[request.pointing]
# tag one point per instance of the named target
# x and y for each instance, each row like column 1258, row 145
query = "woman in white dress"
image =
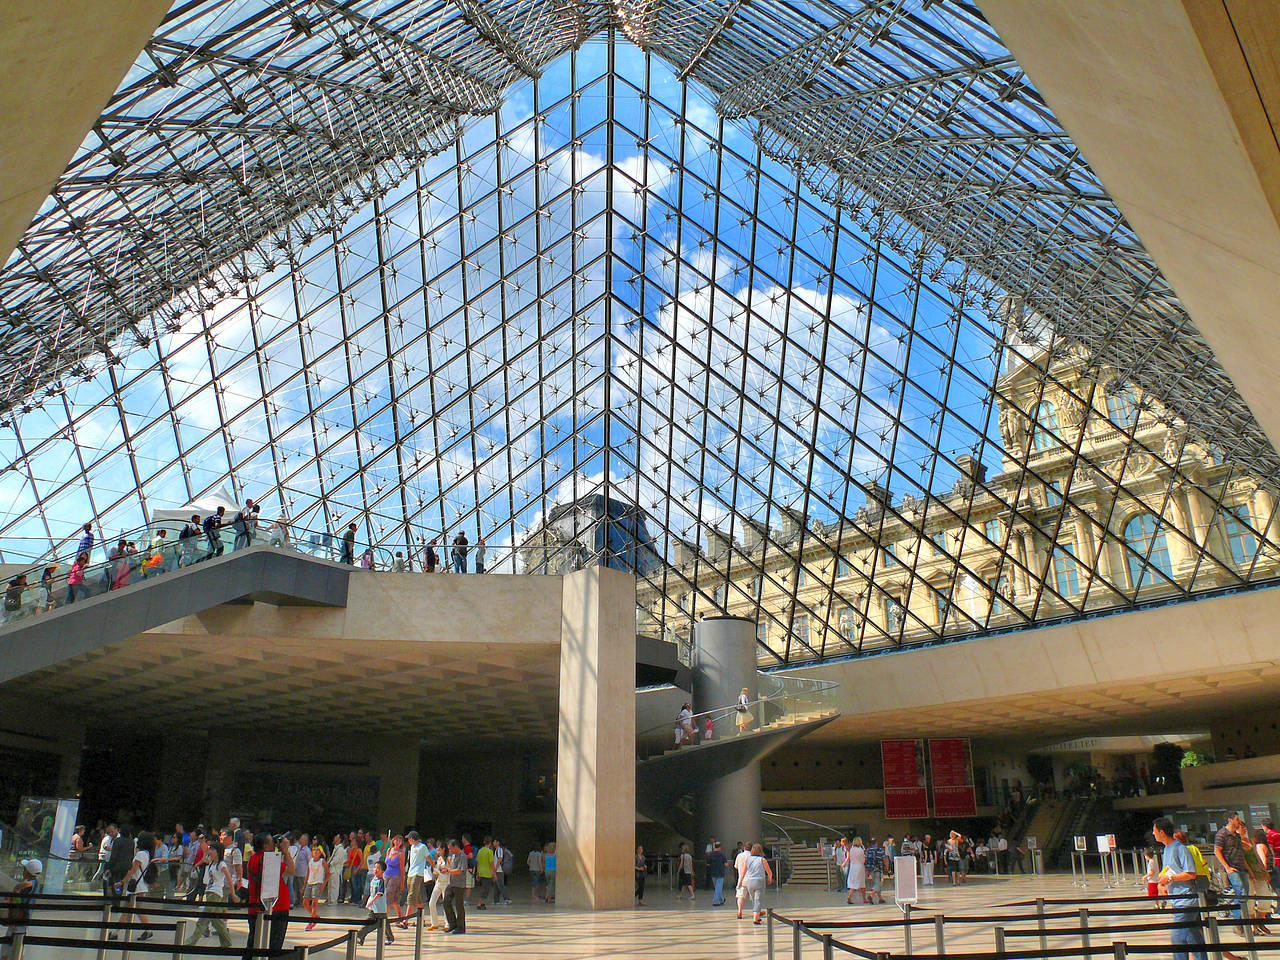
column 857, row 866
column 744, row 712
column 337, row 862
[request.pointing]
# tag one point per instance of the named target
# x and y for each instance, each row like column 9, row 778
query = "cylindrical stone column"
column 724, row 662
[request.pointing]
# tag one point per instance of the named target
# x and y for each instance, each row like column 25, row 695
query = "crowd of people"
column 392, row 877
column 127, row 560
column 864, row 867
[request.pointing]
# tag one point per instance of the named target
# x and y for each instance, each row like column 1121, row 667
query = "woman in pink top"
column 75, row 579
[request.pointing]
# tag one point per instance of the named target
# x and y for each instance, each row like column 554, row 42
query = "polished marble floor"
column 670, row 928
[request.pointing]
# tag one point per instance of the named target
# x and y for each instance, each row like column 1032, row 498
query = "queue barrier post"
column 382, row 939
column 940, row 933
column 106, row 918
column 1248, row 935
column 179, row 937
column 768, row 932
column 300, row 953
column 906, row 927
column 1215, row 937
column 999, row 941
column 827, row 952
column 1044, row 941
column 351, row 945
column 417, row 937
column 126, row 934
column 1120, row 949
column 16, row 945
column 795, row 940
column 1084, row 930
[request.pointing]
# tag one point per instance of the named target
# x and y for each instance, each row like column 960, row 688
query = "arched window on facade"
column 1045, row 425
column 1122, row 408
column 1143, row 533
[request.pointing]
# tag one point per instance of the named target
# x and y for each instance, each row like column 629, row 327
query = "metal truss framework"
column 306, row 256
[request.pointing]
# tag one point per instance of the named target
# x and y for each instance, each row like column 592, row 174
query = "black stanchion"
column 1120, row 949
column 417, row 937
column 826, row 946
column 1215, row 938
column 999, row 941
column 179, row 936
column 795, row 940
column 351, row 945
column 381, row 949
column 768, row 932
column 906, row 927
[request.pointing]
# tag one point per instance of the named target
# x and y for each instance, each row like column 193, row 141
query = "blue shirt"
column 1177, row 858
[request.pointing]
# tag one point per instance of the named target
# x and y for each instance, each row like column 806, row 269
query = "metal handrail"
column 698, row 720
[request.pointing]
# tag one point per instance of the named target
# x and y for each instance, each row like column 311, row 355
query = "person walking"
column 212, row 527
column 537, row 874
column 357, row 866
column 240, row 523
column 455, row 907
column 1180, row 877
column 685, row 873
column 484, row 871
column 715, row 867
column 394, row 867
column 549, row 871
column 142, row 873
column 376, row 904
column 857, row 865
column 349, row 545
column 317, row 878
column 743, row 712
column 642, row 874
column 219, row 889
column 1229, row 851
column 758, row 875
column 440, row 886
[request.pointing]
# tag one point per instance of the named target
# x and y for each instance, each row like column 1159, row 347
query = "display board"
column 904, row 880
column 905, row 794
column 951, row 767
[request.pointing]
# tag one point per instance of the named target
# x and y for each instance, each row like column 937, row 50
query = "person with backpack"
column 187, row 538
column 245, row 524
column 12, row 609
column 212, row 524
column 142, row 874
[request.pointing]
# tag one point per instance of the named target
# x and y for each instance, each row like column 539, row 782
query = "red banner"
column 951, row 765
column 905, row 794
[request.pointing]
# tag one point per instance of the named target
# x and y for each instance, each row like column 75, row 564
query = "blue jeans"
column 357, row 886
column 1240, row 887
column 460, row 563
column 1187, row 933
column 718, row 884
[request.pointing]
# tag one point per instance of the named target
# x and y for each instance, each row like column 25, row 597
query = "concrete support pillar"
column 724, row 662
column 596, row 759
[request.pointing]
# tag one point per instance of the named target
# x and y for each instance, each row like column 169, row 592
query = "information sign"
column 951, row 766
column 904, row 880
column 905, row 794
column 1081, row 844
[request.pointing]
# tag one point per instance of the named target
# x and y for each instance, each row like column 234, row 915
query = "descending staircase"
column 1042, row 823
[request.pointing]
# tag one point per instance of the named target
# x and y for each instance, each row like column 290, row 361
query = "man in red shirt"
column 1273, row 841
column 279, row 922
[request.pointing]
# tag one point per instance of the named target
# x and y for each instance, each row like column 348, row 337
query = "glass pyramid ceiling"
column 820, row 293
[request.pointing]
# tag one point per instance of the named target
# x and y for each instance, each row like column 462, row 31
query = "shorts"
column 394, row 885
column 416, row 886
column 313, row 891
column 686, row 880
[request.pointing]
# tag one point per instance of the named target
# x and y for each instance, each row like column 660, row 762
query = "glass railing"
column 158, row 550
column 783, row 699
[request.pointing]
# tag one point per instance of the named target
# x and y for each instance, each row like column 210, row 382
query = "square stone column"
column 596, row 761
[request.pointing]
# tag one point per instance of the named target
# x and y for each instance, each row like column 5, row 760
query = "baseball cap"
column 33, row 866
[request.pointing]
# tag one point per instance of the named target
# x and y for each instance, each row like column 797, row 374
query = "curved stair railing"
column 787, row 701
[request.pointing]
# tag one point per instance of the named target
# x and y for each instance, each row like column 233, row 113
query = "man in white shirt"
column 1002, row 853
column 233, row 856
column 104, row 850
column 739, row 874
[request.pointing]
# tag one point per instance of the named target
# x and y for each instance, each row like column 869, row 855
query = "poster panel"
column 951, row 766
column 906, row 795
